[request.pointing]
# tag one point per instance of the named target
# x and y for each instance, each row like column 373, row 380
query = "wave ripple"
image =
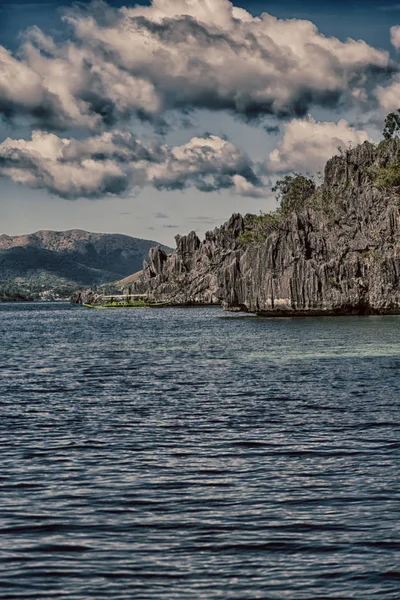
column 186, row 453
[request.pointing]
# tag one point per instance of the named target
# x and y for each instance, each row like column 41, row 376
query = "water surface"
column 189, row 453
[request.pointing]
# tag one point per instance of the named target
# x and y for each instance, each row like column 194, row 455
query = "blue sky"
column 181, row 188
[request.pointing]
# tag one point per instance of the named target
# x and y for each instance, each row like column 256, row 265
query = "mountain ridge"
column 73, row 256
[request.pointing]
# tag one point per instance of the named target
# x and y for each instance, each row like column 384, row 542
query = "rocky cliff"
column 337, row 253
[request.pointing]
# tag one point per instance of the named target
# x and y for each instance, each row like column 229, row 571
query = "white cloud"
column 389, row 95
column 395, row 36
column 114, row 163
column 180, row 54
column 308, row 144
column 243, row 187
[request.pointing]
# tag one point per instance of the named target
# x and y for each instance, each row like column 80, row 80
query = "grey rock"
column 344, row 260
column 86, row 297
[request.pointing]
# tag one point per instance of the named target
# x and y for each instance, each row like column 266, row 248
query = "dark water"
column 186, row 453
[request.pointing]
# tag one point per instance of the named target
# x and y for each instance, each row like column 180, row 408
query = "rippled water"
column 188, row 453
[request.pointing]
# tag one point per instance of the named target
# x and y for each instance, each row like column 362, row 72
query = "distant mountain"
column 51, row 258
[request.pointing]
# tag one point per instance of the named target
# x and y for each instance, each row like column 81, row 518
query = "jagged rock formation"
column 191, row 274
column 85, row 297
column 339, row 255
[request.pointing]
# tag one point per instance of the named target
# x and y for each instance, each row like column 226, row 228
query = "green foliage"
column 293, row 191
column 22, row 290
column 14, row 292
column 259, row 227
column 382, row 145
column 387, row 176
column 328, row 203
column 391, row 127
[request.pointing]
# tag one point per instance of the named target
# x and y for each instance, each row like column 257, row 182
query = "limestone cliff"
column 339, row 254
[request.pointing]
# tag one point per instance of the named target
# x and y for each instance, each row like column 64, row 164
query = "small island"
column 329, row 249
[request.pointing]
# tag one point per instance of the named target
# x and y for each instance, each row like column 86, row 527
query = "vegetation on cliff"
column 385, row 173
column 391, row 128
column 296, row 192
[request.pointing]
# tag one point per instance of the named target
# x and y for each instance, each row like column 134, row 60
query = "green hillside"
column 75, row 258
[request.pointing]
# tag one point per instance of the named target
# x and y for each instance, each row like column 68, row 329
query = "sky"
column 157, row 118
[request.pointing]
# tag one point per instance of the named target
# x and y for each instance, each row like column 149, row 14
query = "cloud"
column 395, row 36
column 245, row 187
column 308, row 144
column 115, row 163
column 180, row 55
column 389, row 96
column 272, row 129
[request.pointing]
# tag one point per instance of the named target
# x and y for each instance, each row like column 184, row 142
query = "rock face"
column 192, row 274
column 342, row 258
column 86, row 297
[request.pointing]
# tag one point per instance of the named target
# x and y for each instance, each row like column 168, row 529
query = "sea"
column 190, row 453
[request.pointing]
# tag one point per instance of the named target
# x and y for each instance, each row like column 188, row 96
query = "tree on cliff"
column 293, row 191
column 391, row 128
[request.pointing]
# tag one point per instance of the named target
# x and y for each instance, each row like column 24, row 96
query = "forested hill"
column 75, row 257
